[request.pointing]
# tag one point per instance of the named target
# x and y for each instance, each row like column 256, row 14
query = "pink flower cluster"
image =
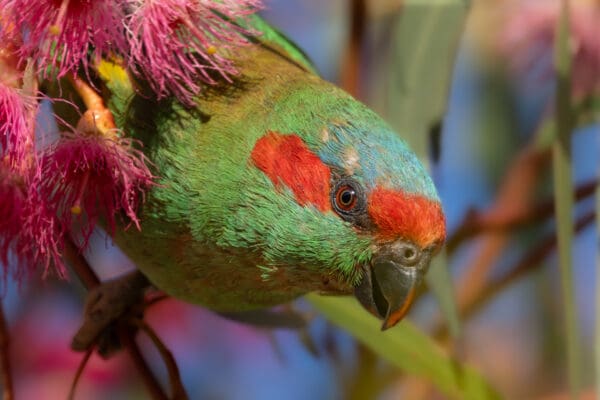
column 175, row 44
column 172, row 44
column 528, row 40
column 16, row 124
column 30, row 233
column 98, row 175
column 61, row 33
column 50, row 194
column 64, row 190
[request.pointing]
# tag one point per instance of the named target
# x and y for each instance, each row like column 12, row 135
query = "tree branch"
column 350, row 74
column 141, row 365
column 529, row 262
column 79, row 372
column 7, row 381
column 90, row 280
column 177, row 389
column 526, row 264
column 80, row 266
column 493, row 221
column 515, row 197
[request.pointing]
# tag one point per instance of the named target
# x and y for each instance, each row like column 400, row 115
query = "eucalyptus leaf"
column 413, row 73
column 407, row 348
column 562, row 165
column 411, row 92
column 439, row 282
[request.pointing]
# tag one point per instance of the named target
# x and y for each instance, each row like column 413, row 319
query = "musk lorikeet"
column 277, row 185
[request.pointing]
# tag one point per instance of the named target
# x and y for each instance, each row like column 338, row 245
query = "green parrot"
column 274, row 186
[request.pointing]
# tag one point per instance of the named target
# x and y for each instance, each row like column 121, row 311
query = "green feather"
column 216, row 231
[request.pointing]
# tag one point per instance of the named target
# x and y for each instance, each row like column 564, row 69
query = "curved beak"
column 390, row 282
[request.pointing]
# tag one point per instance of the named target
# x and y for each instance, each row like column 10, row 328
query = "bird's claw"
column 110, row 308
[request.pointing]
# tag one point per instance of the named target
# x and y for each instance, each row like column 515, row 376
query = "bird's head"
column 359, row 176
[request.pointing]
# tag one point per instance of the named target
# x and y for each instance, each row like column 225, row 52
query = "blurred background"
column 488, row 158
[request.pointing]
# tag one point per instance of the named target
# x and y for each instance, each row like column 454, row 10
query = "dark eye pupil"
column 347, row 196
column 347, row 199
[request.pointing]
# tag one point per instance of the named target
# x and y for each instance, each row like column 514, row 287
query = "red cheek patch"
column 286, row 160
column 409, row 216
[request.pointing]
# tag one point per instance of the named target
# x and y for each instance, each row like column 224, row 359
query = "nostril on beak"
column 408, row 254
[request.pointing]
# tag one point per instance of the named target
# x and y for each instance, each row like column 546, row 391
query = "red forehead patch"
column 409, row 216
column 286, row 160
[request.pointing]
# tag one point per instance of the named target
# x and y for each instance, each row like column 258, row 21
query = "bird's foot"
column 110, row 308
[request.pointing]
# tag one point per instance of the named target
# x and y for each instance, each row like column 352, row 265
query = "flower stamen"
column 55, row 29
column 76, row 208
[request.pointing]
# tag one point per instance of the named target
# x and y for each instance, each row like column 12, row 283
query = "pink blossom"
column 178, row 44
column 17, row 113
column 528, row 39
column 12, row 205
column 28, row 227
column 61, row 33
column 42, row 237
column 90, row 176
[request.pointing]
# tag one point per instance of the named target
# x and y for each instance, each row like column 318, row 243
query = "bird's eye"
column 346, row 197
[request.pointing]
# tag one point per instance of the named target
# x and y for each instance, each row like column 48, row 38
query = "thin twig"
column 132, row 348
column 476, row 223
column 79, row 373
column 159, row 297
column 526, row 264
column 350, row 75
column 515, row 196
column 177, row 389
column 585, row 395
column 90, row 280
column 370, row 378
column 7, row 381
column 79, row 264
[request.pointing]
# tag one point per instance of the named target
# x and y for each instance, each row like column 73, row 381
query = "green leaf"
column 563, row 194
column 439, row 282
column 411, row 92
column 414, row 72
column 407, row 348
column 597, row 328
